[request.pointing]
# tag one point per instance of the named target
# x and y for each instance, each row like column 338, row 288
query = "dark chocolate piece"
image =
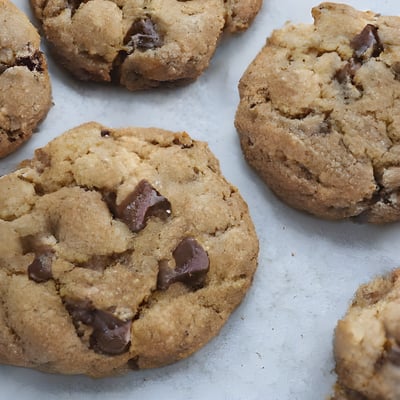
column 33, row 62
column 348, row 71
column 110, row 335
column 144, row 202
column 40, row 269
column 367, row 39
column 192, row 265
column 143, row 35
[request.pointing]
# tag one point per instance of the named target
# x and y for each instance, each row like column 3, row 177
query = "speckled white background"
column 278, row 343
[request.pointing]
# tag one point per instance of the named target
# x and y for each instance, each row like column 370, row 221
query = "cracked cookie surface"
column 319, row 110
column 121, row 249
column 140, row 43
column 367, row 343
column 25, row 92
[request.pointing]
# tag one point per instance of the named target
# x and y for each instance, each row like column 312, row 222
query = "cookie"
column 25, row 90
column 140, row 44
column 367, row 343
column 121, row 249
column 319, row 111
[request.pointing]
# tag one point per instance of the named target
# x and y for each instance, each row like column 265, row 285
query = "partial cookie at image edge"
column 164, row 43
column 309, row 121
column 25, row 88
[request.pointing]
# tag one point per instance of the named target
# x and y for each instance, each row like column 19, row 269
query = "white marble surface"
column 278, row 343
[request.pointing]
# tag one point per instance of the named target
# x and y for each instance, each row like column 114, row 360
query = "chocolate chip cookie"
column 25, row 92
column 367, row 343
column 121, row 249
column 319, row 114
column 140, row 44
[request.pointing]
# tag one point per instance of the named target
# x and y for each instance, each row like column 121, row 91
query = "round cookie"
column 25, row 91
column 129, row 247
column 140, row 44
column 319, row 114
column 367, row 343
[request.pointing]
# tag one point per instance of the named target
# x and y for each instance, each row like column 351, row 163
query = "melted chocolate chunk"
column 144, row 202
column 80, row 311
column 143, row 35
column 34, row 62
column 192, row 264
column 367, row 43
column 348, row 71
column 40, row 269
column 44, row 160
column 110, row 335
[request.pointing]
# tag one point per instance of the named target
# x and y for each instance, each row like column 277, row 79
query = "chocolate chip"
column 192, row 264
column 33, row 62
column 44, row 160
column 368, row 39
column 110, row 334
column 143, row 35
column 40, row 269
column 143, row 203
column 348, row 71
column 80, row 311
